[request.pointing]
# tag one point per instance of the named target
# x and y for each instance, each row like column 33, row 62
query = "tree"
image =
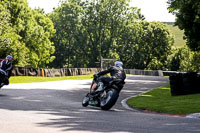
column 89, row 28
column 160, row 41
column 105, row 21
column 9, row 39
column 25, row 33
column 145, row 45
column 183, row 59
column 66, row 20
column 37, row 36
column 174, row 60
column 188, row 19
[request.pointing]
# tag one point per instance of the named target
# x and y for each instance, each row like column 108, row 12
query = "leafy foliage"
column 145, row 44
column 24, row 34
column 188, row 19
column 69, row 34
column 87, row 31
column 185, row 60
column 9, row 39
column 88, row 28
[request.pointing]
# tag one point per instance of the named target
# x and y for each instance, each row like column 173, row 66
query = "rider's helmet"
column 9, row 59
column 118, row 64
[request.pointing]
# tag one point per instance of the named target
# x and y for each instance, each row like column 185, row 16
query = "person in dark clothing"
column 6, row 70
column 116, row 72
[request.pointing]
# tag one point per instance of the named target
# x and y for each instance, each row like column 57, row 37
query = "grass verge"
column 178, row 36
column 160, row 100
column 30, row 79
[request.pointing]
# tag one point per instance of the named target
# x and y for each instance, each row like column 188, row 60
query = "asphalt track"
column 55, row 107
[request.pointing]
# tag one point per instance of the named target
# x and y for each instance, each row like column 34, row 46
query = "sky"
column 153, row 10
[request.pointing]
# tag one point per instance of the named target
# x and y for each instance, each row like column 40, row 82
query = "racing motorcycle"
column 2, row 78
column 104, row 99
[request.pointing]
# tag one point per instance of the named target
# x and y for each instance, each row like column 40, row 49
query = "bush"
column 185, row 60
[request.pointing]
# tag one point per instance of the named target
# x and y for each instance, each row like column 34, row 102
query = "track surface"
column 55, row 107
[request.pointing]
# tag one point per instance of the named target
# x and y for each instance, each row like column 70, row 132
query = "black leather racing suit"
column 115, row 73
column 6, row 69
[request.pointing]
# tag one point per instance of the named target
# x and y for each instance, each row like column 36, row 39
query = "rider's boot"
column 100, row 87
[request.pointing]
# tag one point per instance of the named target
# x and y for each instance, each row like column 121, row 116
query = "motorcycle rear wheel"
column 109, row 100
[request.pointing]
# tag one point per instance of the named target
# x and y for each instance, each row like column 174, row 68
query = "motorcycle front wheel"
column 85, row 101
column 109, row 99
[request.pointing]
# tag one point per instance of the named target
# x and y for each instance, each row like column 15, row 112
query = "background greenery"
column 108, row 29
column 31, row 79
column 178, row 36
column 79, row 33
column 187, row 19
column 25, row 34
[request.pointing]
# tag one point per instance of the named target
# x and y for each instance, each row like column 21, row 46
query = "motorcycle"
column 2, row 78
column 104, row 99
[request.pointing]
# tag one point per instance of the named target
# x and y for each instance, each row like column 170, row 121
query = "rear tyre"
column 109, row 99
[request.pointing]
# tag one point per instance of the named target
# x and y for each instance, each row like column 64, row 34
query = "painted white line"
column 123, row 102
column 194, row 115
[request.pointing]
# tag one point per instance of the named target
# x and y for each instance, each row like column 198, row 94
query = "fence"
column 28, row 71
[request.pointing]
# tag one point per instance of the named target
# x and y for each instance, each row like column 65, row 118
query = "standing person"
column 6, row 70
column 116, row 72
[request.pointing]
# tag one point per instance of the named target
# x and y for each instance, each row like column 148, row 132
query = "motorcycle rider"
column 116, row 72
column 6, row 68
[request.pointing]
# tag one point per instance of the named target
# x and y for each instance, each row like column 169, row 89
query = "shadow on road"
column 67, row 111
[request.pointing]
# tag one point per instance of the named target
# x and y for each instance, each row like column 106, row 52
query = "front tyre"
column 85, row 101
column 109, row 99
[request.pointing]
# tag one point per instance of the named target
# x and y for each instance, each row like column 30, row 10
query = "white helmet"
column 118, row 63
column 9, row 58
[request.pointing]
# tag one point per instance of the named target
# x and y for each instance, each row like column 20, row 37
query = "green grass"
column 30, row 79
column 178, row 34
column 160, row 100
